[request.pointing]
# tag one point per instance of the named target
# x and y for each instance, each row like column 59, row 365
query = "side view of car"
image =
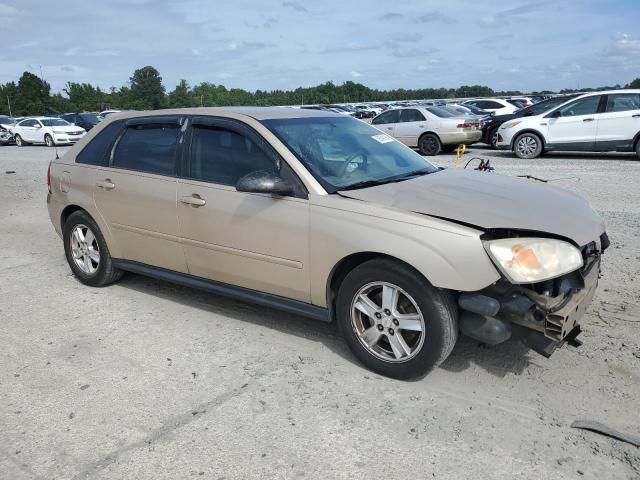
column 430, row 129
column 596, row 122
column 47, row 130
column 492, row 123
column 322, row 215
column 85, row 120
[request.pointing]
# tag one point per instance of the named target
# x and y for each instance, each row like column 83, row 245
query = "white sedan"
column 50, row 131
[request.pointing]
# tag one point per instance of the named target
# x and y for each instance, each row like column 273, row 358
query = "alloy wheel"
column 388, row 322
column 85, row 249
column 527, row 146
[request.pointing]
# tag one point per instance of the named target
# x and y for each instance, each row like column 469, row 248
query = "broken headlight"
column 531, row 260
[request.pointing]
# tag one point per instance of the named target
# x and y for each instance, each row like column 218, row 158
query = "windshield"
column 91, row 118
column 54, row 122
column 344, row 153
column 440, row 112
column 7, row 121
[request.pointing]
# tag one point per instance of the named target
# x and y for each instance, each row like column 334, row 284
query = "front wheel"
column 48, row 139
column 395, row 323
column 19, row 141
column 429, row 144
column 638, row 148
column 493, row 137
column 528, row 145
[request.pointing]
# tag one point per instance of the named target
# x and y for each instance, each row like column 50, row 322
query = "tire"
column 48, row 140
column 527, row 146
column 638, row 149
column 393, row 351
column 493, row 137
column 19, row 141
column 89, row 268
column 429, row 145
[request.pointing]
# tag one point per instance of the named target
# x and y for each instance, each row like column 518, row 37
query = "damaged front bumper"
column 544, row 315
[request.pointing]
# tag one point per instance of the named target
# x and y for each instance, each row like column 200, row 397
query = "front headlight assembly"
column 531, row 260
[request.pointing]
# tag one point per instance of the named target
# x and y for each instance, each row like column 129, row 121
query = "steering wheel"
column 350, row 158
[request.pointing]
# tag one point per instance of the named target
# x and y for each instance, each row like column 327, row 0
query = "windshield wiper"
column 396, row 178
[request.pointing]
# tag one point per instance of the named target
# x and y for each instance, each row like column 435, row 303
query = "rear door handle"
column 194, row 200
column 588, row 120
column 106, row 184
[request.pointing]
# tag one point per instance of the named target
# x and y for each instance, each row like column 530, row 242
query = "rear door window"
column 148, row 147
column 392, row 116
column 623, row 102
column 411, row 115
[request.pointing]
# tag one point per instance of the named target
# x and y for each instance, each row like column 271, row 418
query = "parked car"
column 106, row 113
column 595, row 122
column 47, row 130
column 6, row 137
column 430, row 129
column 497, row 106
column 84, row 120
column 324, row 216
column 524, row 101
column 492, row 123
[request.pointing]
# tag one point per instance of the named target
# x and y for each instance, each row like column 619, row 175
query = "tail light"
column 468, row 124
column 49, row 178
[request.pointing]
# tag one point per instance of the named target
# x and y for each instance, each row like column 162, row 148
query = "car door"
column 574, row 125
column 387, row 121
column 27, row 130
column 619, row 123
column 38, row 132
column 136, row 192
column 411, row 125
column 254, row 241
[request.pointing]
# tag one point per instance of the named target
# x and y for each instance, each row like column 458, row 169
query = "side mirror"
column 37, row 125
column 264, row 181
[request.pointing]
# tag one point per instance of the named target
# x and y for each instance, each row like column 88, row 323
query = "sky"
column 282, row 44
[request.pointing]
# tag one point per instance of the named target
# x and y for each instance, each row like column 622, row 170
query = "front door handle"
column 107, row 184
column 588, row 120
column 194, row 200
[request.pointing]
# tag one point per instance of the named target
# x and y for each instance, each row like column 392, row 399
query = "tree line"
column 145, row 91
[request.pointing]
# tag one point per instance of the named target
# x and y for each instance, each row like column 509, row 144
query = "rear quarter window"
column 148, row 148
column 97, row 151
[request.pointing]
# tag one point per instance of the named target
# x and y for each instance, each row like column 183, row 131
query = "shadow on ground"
column 508, row 358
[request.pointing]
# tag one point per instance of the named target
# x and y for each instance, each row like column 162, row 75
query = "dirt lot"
column 145, row 380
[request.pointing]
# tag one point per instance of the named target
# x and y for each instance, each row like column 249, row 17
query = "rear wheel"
column 87, row 252
column 394, row 321
column 429, row 144
column 48, row 139
column 493, row 137
column 528, row 145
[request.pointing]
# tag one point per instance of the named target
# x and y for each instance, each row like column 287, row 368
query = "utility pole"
column 9, row 104
column 302, row 99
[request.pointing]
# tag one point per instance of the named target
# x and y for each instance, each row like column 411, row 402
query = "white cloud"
column 355, row 74
column 7, row 9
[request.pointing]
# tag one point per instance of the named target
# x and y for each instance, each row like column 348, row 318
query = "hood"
column 67, row 128
column 490, row 201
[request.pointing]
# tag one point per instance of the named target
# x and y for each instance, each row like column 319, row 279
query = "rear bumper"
column 457, row 138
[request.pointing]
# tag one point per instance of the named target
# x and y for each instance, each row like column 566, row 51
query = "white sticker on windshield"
column 382, row 138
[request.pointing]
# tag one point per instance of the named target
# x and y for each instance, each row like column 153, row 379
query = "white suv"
column 47, row 130
column 595, row 122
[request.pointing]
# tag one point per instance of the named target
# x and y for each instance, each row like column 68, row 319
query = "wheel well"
column 342, row 269
column 68, row 210
column 535, row 132
column 427, row 133
column 636, row 141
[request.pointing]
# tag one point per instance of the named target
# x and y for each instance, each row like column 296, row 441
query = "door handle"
column 636, row 115
column 106, row 184
column 194, row 200
column 588, row 120
column 389, row 128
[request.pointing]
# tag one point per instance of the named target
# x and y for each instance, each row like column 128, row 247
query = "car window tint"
column 585, row 106
column 411, row 115
column 96, row 152
column 392, row 116
column 623, row 102
column 148, row 148
column 222, row 156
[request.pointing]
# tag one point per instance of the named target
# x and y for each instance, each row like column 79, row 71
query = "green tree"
column 146, row 91
column 8, row 95
column 634, row 84
column 32, row 95
column 181, row 95
column 85, row 97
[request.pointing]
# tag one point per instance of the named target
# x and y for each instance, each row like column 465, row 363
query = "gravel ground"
column 146, row 380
